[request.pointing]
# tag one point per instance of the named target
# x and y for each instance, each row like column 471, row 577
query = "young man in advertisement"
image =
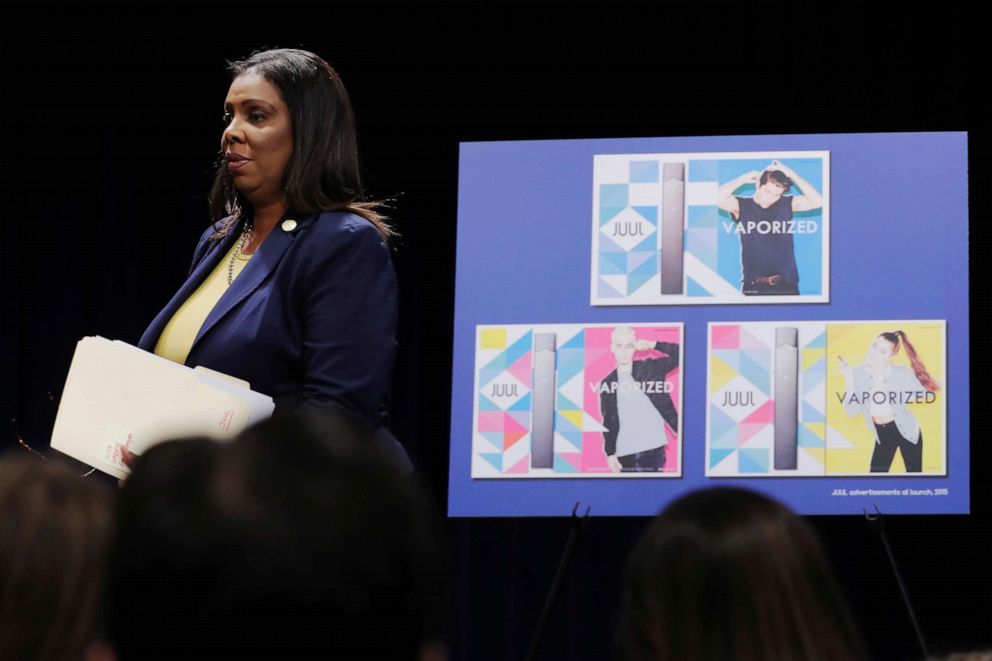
column 636, row 403
column 765, row 225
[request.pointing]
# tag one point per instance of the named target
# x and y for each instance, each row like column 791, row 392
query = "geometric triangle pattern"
column 614, row 286
column 486, row 405
column 818, row 342
column 707, row 244
column 740, row 429
column 494, row 439
column 606, row 213
column 504, row 404
column 568, row 441
column 725, row 337
column 812, row 408
column 728, row 441
column 722, row 371
column 571, row 361
column 747, row 431
column 627, row 236
column 644, row 272
column 730, row 357
column 721, row 425
column 693, row 288
column 753, row 461
column 571, row 420
column 649, row 245
column 494, row 459
column 740, row 422
column 520, row 467
column 809, row 437
column 511, row 438
column 755, row 367
column 810, row 414
column 749, row 341
column 643, row 172
column 628, row 229
column 565, row 404
column 718, row 455
column 523, row 404
column 562, row 465
column 764, row 415
column 812, row 461
column 702, row 243
column 647, row 212
column 564, row 424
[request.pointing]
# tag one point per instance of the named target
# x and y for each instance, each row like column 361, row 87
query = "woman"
column 878, row 389
column 55, row 534
column 292, row 288
column 730, row 574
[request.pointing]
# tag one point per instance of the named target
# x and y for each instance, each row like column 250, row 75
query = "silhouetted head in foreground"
column 295, row 540
column 55, row 530
column 730, row 574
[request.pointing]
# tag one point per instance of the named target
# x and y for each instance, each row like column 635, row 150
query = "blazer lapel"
column 195, row 279
column 262, row 263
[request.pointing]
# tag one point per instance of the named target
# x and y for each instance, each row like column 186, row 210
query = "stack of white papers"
column 119, row 395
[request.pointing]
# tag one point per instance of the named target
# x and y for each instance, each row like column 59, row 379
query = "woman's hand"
column 781, row 167
column 614, row 463
column 643, row 345
column 129, row 458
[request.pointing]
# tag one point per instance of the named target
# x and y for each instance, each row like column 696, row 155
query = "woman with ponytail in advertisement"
column 880, row 390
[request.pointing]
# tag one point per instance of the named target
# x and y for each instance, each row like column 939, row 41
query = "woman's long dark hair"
column 730, row 574
column 323, row 171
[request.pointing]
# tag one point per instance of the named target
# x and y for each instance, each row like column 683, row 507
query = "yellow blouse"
column 177, row 338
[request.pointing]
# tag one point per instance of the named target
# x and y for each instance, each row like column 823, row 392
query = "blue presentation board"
column 638, row 318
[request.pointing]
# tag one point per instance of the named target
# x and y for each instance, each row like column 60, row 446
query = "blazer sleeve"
column 611, row 420
column 349, row 333
column 672, row 351
column 658, row 368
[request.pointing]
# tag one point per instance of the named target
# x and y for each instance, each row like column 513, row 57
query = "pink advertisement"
column 569, row 400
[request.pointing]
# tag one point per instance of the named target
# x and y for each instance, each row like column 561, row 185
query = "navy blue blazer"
column 310, row 321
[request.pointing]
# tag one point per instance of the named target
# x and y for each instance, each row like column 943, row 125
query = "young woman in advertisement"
column 880, row 390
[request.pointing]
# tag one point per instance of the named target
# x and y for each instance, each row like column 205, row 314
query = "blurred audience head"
column 730, row 574
column 296, row 539
column 55, row 530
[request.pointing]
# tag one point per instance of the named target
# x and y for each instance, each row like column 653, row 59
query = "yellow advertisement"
column 886, row 398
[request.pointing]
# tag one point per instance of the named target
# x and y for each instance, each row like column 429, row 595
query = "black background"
column 112, row 121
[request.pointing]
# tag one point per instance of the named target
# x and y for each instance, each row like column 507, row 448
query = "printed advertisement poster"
column 743, row 227
column 568, row 401
column 864, row 398
column 816, row 285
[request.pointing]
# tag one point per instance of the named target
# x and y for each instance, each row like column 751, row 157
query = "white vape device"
column 542, row 428
column 786, row 396
column 672, row 222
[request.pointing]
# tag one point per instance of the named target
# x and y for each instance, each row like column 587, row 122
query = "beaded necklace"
column 242, row 242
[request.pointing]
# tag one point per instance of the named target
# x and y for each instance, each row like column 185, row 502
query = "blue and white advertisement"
column 677, row 229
